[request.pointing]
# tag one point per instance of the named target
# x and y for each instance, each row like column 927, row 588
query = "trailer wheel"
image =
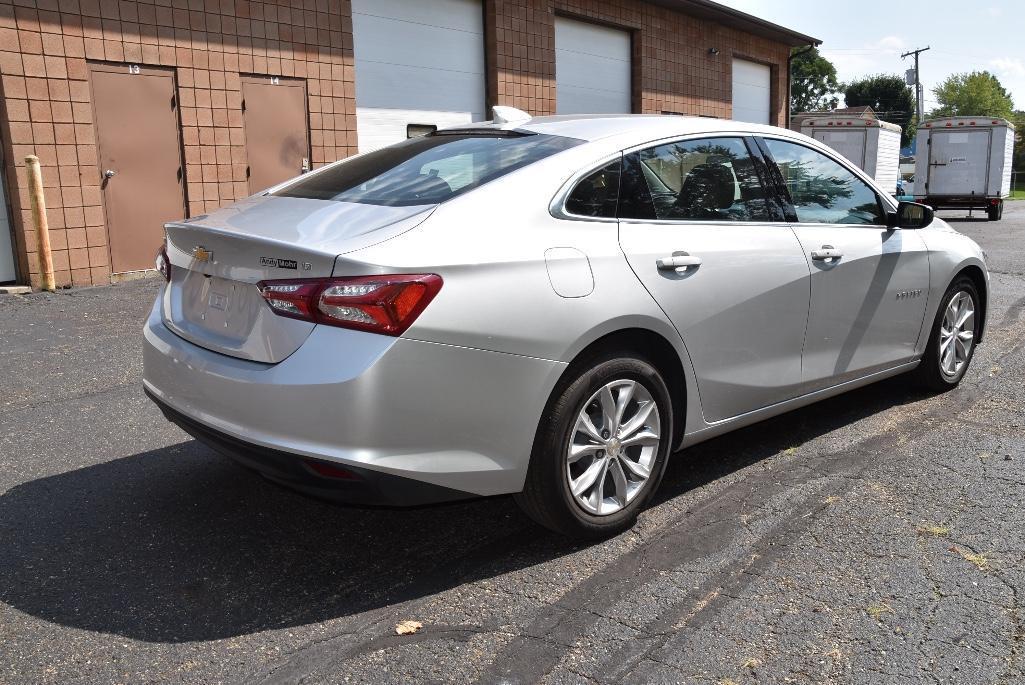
column 993, row 212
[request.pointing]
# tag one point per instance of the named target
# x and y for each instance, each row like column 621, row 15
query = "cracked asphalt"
column 877, row 537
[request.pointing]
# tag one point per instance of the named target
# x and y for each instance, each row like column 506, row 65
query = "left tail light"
column 163, row 264
column 378, row 304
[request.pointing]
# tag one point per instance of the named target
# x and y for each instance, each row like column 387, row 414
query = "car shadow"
column 179, row 544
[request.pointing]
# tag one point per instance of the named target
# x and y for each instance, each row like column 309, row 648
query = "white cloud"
column 891, row 44
column 1012, row 67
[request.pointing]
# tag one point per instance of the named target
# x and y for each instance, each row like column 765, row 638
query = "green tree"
column 814, row 86
column 891, row 98
column 978, row 94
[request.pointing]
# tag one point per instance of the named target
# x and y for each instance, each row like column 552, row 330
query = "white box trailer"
column 964, row 162
column 873, row 145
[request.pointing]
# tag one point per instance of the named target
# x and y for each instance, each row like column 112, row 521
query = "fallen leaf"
column 408, row 627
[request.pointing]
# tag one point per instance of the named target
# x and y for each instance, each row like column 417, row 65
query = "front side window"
column 597, row 194
column 429, row 169
column 822, row 190
column 711, row 179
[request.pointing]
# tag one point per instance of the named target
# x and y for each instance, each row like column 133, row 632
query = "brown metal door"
column 277, row 140
column 140, row 159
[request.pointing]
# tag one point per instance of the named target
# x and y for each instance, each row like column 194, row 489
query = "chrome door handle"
column 109, row 173
column 679, row 262
column 827, row 252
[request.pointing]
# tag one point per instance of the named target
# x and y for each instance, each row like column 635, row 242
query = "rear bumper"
column 353, row 485
column 455, row 418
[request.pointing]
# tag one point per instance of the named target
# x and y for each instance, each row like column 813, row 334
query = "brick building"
column 142, row 112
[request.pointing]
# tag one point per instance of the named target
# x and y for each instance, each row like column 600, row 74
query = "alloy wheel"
column 957, row 334
column 613, row 448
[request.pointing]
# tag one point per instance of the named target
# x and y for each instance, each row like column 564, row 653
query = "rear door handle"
column 827, row 253
column 679, row 262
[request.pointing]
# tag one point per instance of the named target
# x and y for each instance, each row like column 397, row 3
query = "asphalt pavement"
column 877, row 537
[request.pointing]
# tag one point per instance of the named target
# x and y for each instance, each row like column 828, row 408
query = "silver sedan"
column 548, row 307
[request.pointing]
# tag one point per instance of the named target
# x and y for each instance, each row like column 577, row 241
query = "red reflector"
column 995, row 121
column 949, row 124
column 994, row 202
column 960, row 123
column 971, row 123
column 378, row 304
column 323, row 468
column 928, row 125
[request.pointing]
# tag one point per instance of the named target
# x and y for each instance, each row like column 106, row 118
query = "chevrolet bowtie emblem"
column 201, row 254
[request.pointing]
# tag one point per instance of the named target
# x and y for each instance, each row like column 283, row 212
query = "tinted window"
column 712, row 179
column 822, row 190
column 427, row 170
column 596, row 195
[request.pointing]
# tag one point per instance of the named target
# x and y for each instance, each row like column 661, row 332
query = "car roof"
column 594, row 127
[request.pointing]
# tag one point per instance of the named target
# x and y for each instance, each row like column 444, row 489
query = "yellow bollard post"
column 35, row 186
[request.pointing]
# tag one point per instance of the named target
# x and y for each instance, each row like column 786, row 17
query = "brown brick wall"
column 673, row 70
column 45, row 47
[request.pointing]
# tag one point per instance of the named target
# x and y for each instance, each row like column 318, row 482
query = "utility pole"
column 918, row 83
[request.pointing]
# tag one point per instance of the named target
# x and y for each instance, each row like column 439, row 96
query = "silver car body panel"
column 383, row 394
column 456, row 400
column 741, row 312
column 867, row 308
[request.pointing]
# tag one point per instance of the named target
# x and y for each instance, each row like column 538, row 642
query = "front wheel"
column 600, row 450
column 952, row 340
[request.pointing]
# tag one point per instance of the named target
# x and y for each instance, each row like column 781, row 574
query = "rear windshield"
column 427, row 170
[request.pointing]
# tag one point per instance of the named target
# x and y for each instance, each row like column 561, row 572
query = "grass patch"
column 933, row 530
column 980, row 561
column 1018, row 194
column 877, row 610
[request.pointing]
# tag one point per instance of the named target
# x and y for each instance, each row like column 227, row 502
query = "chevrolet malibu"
column 547, row 307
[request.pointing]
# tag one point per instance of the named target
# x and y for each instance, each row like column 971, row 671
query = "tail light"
column 379, row 304
column 163, row 264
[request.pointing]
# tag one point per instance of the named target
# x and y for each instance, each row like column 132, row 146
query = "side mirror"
column 910, row 215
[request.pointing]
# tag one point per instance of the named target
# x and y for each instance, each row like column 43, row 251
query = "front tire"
column 601, row 448
column 952, row 339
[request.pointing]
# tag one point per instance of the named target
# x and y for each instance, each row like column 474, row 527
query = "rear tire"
column 601, row 423
column 946, row 360
column 993, row 213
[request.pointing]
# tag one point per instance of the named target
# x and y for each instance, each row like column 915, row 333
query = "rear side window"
column 712, row 179
column 597, row 194
column 822, row 190
column 429, row 169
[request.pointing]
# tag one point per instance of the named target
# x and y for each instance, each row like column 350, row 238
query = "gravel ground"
column 873, row 538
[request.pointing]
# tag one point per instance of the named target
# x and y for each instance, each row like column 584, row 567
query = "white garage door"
column 419, row 63
column 592, row 69
column 751, row 91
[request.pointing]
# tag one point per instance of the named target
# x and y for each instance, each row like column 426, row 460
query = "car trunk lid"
column 218, row 259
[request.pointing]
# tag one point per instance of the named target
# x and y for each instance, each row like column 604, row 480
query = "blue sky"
column 868, row 36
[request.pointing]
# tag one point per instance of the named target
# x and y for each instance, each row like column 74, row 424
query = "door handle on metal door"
column 828, row 252
column 679, row 262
